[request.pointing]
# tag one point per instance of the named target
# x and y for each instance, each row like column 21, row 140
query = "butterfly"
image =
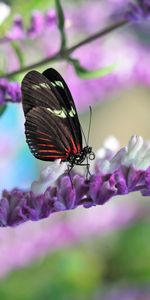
column 52, row 126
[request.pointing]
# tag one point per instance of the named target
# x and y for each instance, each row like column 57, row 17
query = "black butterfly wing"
column 48, row 135
column 60, row 85
column 62, row 92
column 37, row 91
column 41, row 90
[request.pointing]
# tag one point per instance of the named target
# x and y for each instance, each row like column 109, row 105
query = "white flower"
column 110, row 144
column 104, row 154
column 48, row 177
column 136, row 154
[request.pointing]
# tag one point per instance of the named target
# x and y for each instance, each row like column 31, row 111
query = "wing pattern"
column 52, row 127
column 63, row 93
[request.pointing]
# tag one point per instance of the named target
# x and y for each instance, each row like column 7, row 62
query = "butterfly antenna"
column 83, row 135
column 87, row 140
column 89, row 125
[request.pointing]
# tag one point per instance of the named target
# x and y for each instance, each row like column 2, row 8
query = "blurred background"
column 87, row 254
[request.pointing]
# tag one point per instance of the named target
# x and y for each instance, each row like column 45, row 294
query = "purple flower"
column 138, row 11
column 126, row 172
column 50, row 17
column 38, row 24
column 14, row 92
column 3, row 90
column 9, row 91
column 17, row 31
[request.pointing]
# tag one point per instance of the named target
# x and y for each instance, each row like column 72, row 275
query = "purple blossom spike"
column 126, row 172
column 50, row 17
column 9, row 91
column 3, row 90
column 14, row 92
column 38, row 24
column 138, row 11
column 17, row 31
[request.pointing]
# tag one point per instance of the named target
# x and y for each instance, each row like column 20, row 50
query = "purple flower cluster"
column 138, row 11
column 126, row 172
column 17, row 206
column 9, row 91
column 39, row 22
column 134, row 293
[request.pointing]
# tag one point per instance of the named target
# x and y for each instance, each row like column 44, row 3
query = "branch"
column 63, row 54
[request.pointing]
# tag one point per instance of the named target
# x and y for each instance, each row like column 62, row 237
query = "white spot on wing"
column 72, row 112
column 44, row 85
column 59, row 83
column 62, row 113
column 57, row 112
column 41, row 85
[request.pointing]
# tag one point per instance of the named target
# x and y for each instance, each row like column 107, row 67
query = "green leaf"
column 2, row 109
column 61, row 23
column 18, row 52
column 90, row 74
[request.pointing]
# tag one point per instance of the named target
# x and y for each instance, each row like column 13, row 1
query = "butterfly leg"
column 70, row 167
column 87, row 169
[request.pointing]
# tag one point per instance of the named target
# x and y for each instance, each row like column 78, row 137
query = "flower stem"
column 63, row 54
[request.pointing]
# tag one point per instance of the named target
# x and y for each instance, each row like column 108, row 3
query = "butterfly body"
column 52, row 127
column 79, row 158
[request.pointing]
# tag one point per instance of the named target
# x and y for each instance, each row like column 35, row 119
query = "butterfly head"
column 81, row 156
column 87, row 151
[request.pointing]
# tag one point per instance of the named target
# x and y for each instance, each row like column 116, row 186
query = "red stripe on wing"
column 45, row 145
column 75, row 149
column 42, row 133
column 43, row 139
column 46, row 150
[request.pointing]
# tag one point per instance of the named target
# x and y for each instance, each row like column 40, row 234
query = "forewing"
column 60, row 85
column 37, row 91
column 63, row 93
column 48, row 135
